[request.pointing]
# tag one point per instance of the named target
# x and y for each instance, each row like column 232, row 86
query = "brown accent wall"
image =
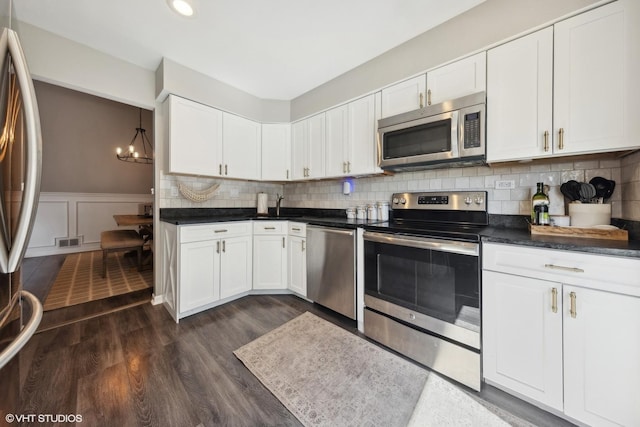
column 80, row 133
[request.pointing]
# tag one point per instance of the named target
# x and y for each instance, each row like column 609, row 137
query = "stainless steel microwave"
column 448, row 134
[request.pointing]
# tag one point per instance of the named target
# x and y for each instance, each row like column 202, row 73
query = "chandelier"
column 133, row 156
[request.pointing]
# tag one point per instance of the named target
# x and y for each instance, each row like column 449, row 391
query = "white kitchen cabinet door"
column 195, row 138
column 241, row 147
column 522, row 335
column 297, row 265
column 601, row 357
column 405, row 96
column 361, row 150
column 270, row 262
column 520, row 98
column 315, row 146
column 460, row 78
column 276, row 152
column 299, row 138
column 593, row 88
column 236, row 266
column 199, row 281
column 336, row 141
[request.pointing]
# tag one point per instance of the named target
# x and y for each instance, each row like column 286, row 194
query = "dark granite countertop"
column 505, row 229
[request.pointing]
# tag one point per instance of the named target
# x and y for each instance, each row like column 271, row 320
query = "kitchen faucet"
column 278, row 201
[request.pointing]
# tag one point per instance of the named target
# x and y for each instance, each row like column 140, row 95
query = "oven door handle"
column 463, row 248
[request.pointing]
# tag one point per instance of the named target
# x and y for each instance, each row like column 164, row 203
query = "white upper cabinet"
column 519, row 98
column 307, row 148
column 241, row 150
column 593, row 85
column 404, row 96
column 350, row 138
column 195, row 137
column 361, row 150
column 337, row 140
column 460, row 78
column 276, row 152
column 587, row 104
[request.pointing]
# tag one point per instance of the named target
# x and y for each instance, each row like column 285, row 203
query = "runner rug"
column 327, row 376
column 80, row 279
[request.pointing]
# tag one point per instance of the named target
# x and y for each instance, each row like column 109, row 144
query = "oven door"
column 419, row 141
column 433, row 284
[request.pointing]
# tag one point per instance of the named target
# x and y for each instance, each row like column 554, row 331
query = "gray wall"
column 484, row 25
column 80, row 133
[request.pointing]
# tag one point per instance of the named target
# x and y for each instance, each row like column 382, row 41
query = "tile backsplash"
column 516, row 201
column 327, row 194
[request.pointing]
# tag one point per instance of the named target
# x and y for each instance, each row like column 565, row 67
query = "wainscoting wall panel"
column 84, row 215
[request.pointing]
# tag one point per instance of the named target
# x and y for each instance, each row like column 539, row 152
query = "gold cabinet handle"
column 226, row 169
column 220, row 231
column 303, row 246
column 421, row 100
column 546, row 140
column 283, row 242
column 218, row 247
column 295, row 228
column 554, row 300
column 344, row 167
column 220, row 169
column 287, row 173
column 561, row 139
column 269, row 228
column 349, row 167
column 429, row 97
column 573, row 311
column 224, row 246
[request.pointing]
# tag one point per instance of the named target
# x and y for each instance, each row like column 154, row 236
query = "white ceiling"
column 273, row 49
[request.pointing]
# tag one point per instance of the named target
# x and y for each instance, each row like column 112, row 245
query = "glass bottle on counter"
column 540, row 206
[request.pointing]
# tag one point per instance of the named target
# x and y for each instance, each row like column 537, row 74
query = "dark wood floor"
column 137, row 367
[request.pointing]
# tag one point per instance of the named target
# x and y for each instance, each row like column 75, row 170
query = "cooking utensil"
column 604, row 187
column 571, row 190
column 587, row 192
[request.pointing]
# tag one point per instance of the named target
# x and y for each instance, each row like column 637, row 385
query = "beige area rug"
column 80, row 279
column 327, row 376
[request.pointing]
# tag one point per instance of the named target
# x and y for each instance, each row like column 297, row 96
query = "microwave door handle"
column 456, row 134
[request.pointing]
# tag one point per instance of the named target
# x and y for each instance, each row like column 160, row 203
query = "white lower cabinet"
column 522, row 336
column 214, row 263
column 297, row 259
column 562, row 329
column 270, row 255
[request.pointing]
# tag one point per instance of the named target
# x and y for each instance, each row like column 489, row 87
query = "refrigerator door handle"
column 27, row 332
column 10, row 258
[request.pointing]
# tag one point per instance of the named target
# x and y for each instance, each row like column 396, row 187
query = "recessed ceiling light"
column 183, row 7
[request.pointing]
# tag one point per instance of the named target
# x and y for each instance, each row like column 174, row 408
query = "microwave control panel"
column 472, row 130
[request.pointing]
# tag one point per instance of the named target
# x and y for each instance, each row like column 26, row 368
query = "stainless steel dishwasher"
column 331, row 269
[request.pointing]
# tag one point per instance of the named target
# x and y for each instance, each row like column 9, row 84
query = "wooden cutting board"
column 589, row 233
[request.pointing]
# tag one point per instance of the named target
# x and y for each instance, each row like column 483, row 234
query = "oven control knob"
column 479, row 200
column 395, row 200
column 467, row 200
column 403, row 201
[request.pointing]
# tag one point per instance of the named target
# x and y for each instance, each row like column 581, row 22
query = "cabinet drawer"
column 196, row 233
column 269, row 227
column 298, row 229
column 608, row 273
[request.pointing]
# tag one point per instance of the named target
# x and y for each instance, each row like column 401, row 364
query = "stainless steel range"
column 422, row 281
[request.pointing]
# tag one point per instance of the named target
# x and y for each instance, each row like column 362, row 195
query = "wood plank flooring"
column 137, row 367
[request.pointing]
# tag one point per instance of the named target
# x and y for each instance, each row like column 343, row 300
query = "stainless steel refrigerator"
column 20, row 169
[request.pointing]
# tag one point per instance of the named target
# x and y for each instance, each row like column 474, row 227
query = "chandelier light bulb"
column 136, row 155
column 131, row 149
column 118, row 150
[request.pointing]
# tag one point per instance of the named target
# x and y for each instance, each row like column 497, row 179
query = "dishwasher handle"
column 331, row 230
